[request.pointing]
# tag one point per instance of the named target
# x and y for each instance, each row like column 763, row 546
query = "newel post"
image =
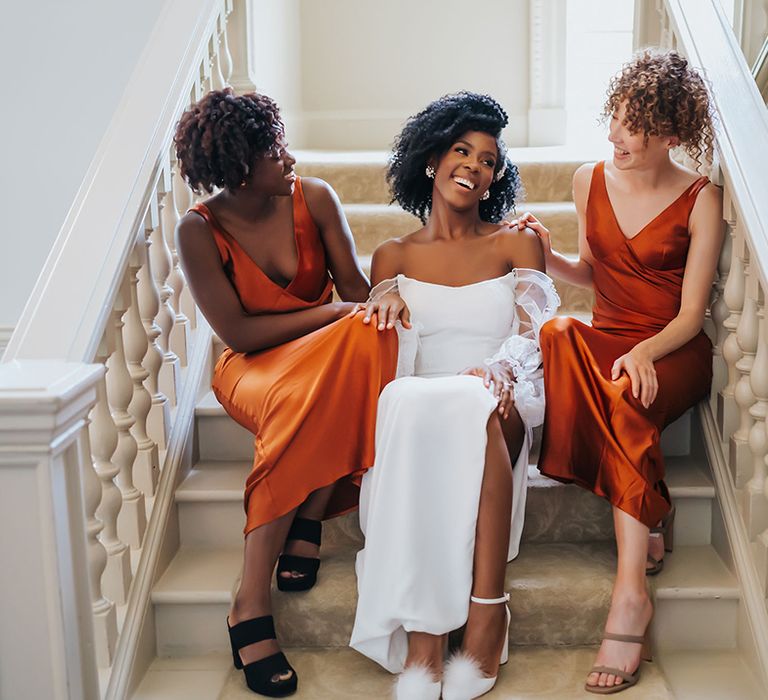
column 46, row 634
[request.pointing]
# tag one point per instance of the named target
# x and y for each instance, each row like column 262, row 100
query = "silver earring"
column 486, row 195
column 430, row 172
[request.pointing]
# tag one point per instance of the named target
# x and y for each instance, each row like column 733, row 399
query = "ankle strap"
column 490, row 601
column 252, row 631
column 306, row 530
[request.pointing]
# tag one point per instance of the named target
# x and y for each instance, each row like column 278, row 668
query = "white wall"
column 275, row 58
column 389, row 59
column 66, row 65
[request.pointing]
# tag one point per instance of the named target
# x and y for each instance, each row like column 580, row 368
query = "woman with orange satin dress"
column 261, row 258
column 650, row 232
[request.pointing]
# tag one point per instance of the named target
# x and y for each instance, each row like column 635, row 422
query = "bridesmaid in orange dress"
column 650, row 232
column 261, row 257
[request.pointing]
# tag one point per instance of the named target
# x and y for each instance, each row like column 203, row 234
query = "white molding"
column 371, row 130
column 5, row 336
column 547, row 37
column 753, row 597
column 107, row 212
column 139, row 599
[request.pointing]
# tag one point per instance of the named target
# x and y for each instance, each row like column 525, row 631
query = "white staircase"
column 560, row 584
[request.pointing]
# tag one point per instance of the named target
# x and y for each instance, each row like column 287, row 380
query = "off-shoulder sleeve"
column 408, row 338
column 536, row 302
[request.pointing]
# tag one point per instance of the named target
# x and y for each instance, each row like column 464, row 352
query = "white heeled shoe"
column 417, row 683
column 463, row 679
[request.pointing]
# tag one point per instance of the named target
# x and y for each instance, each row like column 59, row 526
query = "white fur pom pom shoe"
column 463, row 678
column 417, row 683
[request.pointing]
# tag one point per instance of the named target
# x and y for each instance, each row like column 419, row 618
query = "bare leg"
column 486, row 624
column 253, row 597
column 631, row 608
column 426, row 650
column 313, row 509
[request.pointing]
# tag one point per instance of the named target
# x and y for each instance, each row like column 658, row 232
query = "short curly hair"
column 220, row 137
column 431, row 133
column 665, row 96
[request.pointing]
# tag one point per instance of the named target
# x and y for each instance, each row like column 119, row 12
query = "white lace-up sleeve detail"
column 536, row 302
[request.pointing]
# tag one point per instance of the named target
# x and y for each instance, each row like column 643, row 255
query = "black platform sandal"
column 259, row 674
column 307, row 531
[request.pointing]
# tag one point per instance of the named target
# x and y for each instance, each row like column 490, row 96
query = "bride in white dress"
column 442, row 510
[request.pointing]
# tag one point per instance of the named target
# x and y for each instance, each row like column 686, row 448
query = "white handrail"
column 703, row 29
column 66, row 313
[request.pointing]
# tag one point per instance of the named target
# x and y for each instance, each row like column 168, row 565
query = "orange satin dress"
column 595, row 433
column 311, row 402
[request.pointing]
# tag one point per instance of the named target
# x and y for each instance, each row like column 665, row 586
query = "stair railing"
column 735, row 419
column 98, row 387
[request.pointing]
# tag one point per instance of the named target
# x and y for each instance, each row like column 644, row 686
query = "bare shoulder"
column 582, row 179
column 192, row 227
column 318, row 189
column 521, row 248
column 390, row 250
column 387, row 260
column 708, row 207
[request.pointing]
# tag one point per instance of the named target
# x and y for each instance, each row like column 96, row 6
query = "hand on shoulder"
column 523, row 246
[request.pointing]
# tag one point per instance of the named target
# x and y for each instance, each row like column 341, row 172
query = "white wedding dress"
column 419, row 503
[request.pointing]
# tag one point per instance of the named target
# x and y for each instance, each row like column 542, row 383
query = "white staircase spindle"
column 757, row 517
column 718, row 314
column 214, row 48
column 205, row 74
column 104, row 438
column 733, row 294
column 161, row 262
column 224, row 53
column 180, row 332
column 746, row 335
column 104, row 617
column 182, row 201
column 132, row 519
column 146, row 467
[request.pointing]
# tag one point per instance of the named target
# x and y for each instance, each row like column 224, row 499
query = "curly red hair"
column 665, row 96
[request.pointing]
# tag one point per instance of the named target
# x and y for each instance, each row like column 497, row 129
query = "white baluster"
column 161, row 261
column 205, row 74
column 159, row 418
column 733, row 294
column 718, row 314
column 183, row 200
column 757, row 516
column 146, row 467
column 224, row 53
column 104, row 438
column 132, row 520
column 180, row 332
column 217, row 77
column 746, row 333
column 104, row 617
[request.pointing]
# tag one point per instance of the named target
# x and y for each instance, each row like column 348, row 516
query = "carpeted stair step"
column 210, row 507
column 372, row 224
column 359, row 176
column 560, row 594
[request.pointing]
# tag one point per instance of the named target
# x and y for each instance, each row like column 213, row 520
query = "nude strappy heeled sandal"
column 667, row 531
column 629, row 679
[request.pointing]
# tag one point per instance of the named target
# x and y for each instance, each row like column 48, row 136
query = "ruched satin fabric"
column 596, row 434
column 311, row 402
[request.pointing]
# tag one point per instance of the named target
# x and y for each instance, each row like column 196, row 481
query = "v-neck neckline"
column 234, row 240
column 629, row 239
